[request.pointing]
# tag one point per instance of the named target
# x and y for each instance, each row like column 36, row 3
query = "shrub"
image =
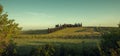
column 109, row 45
column 46, row 50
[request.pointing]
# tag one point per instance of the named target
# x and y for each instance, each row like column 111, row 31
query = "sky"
column 43, row 14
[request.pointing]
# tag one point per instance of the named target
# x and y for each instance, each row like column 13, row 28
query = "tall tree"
column 8, row 29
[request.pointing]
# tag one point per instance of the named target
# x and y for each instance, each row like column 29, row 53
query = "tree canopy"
column 8, row 28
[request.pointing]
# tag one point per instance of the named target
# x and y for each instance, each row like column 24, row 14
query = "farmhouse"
column 59, row 27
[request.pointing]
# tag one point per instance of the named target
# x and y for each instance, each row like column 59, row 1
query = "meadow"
column 76, row 39
column 24, row 46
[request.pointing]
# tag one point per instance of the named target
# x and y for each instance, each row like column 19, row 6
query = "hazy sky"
column 39, row 14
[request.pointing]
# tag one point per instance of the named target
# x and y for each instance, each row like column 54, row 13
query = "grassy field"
column 24, row 46
column 74, row 38
column 53, row 41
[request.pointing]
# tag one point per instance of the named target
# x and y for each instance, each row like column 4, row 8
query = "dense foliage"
column 8, row 29
column 46, row 50
column 109, row 43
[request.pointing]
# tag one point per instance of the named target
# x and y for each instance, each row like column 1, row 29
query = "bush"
column 8, row 29
column 109, row 45
column 8, row 49
column 84, row 49
column 46, row 50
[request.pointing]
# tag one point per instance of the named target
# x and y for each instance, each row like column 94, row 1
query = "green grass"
column 76, row 37
column 54, row 41
column 74, row 32
column 24, row 46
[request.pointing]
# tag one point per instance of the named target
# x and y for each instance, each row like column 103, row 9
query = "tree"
column 8, row 29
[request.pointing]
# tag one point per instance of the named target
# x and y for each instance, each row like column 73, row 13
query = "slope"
column 75, row 31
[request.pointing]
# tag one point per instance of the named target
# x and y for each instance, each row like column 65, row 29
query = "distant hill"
column 69, row 32
column 81, row 31
column 44, row 31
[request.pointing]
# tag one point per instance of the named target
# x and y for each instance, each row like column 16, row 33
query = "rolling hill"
column 72, row 32
column 76, row 31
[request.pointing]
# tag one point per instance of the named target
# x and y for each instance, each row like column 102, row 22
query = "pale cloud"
column 39, row 14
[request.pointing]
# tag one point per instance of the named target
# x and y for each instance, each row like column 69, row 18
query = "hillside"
column 75, row 31
column 72, row 32
column 32, row 32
